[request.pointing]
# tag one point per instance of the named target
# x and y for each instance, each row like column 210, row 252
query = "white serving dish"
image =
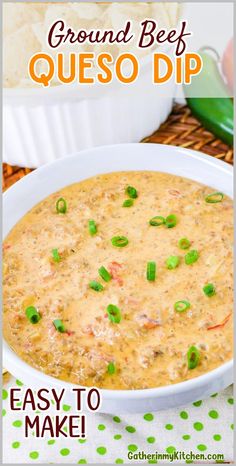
column 27, row 192
column 43, row 124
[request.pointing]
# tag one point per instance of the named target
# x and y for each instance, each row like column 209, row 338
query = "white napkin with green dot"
column 202, row 427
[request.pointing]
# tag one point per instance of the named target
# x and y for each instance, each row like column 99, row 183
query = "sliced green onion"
column 171, row 221
column 92, row 227
column 191, row 257
column 111, row 368
column 120, row 241
column 114, row 313
column 151, row 271
column 209, row 289
column 59, row 326
column 132, row 192
column 128, row 203
column 184, row 243
column 96, row 286
column 32, row 314
column 193, row 357
column 172, row 262
column 157, row 221
column 61, row 206
column 181, row 306
column 103, row 272
column 214, row 198
column 55, row 255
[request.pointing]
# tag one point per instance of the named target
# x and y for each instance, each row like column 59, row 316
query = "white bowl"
column 43, row 124
column 39, row 127
column 27, row 192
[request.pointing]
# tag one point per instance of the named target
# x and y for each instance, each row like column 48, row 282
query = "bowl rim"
column 162, row 391
column 10, row 358
column 194, row 154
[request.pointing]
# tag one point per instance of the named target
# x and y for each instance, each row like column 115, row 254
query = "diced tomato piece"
column 113, row 269
column 222, row 324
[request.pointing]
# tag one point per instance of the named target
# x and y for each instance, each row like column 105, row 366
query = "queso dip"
column 122, row 281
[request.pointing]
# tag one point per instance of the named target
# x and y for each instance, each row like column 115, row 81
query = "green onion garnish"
column 103, row 272
column 209, row 289
column 151, row 271
column 55, row 255
column 184, row 243
column 172, row 262
column 181, row 306
column 114, row 313
column 111, row 368
column 214, row 198
column 32, row 314
column 61, row 206
column 128, row 203
column 157, row 221
column 120, row 241
column 96, row 286
column 171, row 221
column 92, row 227
column 132, row 192
column 59, row 326
column 193, row 356
column 191, row 257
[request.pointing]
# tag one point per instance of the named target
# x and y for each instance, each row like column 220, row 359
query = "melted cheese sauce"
column 149, row 346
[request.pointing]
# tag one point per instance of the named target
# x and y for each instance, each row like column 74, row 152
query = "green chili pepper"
column 111, row 368
column 114, row 313
column 32, row 314
column 215, row 113
column 193, row 357
column 96, row 286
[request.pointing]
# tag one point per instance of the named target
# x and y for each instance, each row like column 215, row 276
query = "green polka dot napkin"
column 203, row 427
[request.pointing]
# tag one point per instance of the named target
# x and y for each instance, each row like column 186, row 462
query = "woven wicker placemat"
column 180, row 129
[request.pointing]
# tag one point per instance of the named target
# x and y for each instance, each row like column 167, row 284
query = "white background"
column 212, row 24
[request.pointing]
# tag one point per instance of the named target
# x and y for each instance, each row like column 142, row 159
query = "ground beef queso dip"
column 122, row 281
